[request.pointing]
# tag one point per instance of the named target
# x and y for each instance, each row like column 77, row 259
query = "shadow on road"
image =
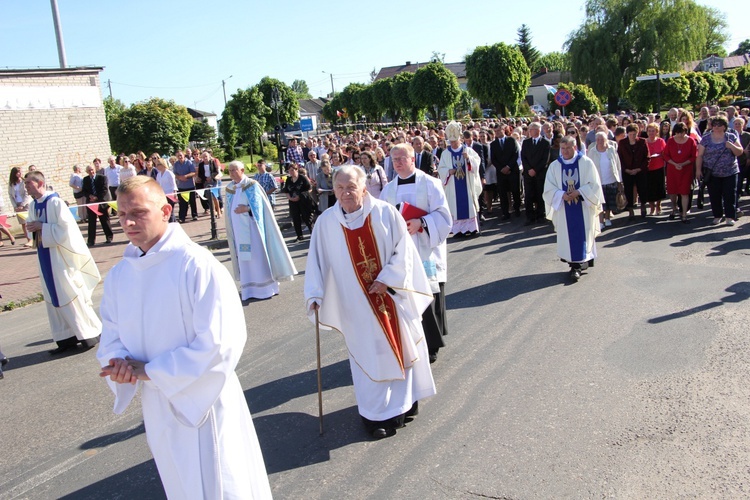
column 141, row 482
column 277, row 392
column 116, row 437
column 502, row 290
column 739, row 292
column 292, row 440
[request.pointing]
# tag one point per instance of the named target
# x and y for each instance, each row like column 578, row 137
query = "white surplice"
column 382, row 389
column 176, row 308
column 74, row 271
column 426, row 193
column 591, row 198
column 260, row 258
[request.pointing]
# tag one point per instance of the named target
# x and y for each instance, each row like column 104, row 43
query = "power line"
column 164, row 88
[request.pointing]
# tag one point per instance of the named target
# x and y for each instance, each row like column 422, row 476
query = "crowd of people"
column 380, row 206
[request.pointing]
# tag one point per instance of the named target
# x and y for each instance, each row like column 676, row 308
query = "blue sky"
column 182, row 49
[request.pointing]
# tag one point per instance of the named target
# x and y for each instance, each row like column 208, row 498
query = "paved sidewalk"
column 19, row 280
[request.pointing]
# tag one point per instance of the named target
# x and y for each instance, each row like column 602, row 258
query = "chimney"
column 408, row 63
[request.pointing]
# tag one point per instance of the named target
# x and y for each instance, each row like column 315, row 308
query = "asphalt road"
column 631, row 383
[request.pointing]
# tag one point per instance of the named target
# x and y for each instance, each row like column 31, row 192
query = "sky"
column 183, row 49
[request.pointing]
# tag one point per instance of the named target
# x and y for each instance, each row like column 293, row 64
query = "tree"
column 673, row 92
column 530, row 54
column 584, row 99
column 698, row 89
column 113, row 110
column 349, row 100
column 155, row 125
column 301, row 89
column 437, row 57
column 717, row 86
column 331, row 109
column 553, row 61
column 367, row 103
column 731, row 81
column 288, row 106
column 229, row 134
column 716, row 32
column 383, row 94
column 401, row 84
column 743, row 78
column 201, row 132
column 249, row 112
column 742, row 48
column 498, row 74
column 620, row 39
column 435, row 87
column 464, row 104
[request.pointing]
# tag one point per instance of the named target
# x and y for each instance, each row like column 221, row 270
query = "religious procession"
column 261, row 306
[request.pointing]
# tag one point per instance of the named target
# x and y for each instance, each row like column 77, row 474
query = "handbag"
column 620, row 199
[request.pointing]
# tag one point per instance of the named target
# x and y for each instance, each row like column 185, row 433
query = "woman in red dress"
column 680, row 157
column 655, row 175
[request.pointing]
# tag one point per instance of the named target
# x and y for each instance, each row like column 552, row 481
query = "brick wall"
column 52, row 139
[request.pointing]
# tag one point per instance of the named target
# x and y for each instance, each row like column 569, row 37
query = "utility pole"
column 224, row 88
column 333, row 92
column 109, row 85
column 276, row 101
column 58, row 34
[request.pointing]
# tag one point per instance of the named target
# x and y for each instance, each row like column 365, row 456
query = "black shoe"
column 671, row 216
column 181, row 221
column 109, row 241
column 89, row 343
column 90, row 245
column 379, row 433
column 458, row 235
column 195, row 217
column 59, row 350
column 433, row 357
column 1, row 374
column 575, row 274
column 4, row 361
column 414, row 411
column 700, row 205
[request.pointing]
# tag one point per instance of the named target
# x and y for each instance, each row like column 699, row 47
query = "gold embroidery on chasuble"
column 363, row 252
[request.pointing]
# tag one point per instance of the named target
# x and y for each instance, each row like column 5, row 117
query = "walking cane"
column 320, row 380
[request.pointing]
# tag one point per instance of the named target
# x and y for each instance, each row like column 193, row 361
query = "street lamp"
column 223, row 86
column 276, row 102
column 333, row 92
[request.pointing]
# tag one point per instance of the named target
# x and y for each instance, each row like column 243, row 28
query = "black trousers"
column 103, row 220
column 722, row 191
column 533, row 201
column 434, row 322
column 301, row 211
column 639, row 181
column 113, row 192
column 184, row 205
column 509, row 184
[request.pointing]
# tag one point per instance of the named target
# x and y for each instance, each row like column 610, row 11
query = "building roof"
column 49, row 71
column 196, row 113
column 312, row 106
column 730, row 62
column 550, row 78
column 458, row 69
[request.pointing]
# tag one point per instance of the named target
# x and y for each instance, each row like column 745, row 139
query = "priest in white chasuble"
column 67, row 270
column 173, row 327
column 413, row 189
column 366, row 279
column 260, row 258
column 573, row 197
column 459, row 173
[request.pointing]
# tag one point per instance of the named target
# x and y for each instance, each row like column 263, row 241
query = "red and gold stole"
column 363, row 252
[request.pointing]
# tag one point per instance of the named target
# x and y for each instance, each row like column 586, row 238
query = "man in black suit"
column 504, row 156
column 96, row 188
column 423, row 161
column 483, row 151
column 437, row 151
column 534, row 157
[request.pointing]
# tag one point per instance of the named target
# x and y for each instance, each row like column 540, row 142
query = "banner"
column 4, row 221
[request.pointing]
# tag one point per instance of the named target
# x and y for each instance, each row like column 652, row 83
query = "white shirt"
column 113, row 175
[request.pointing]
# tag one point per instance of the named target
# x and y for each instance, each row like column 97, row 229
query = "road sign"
column 653, row 77
column 563, row 97
column 306, row 124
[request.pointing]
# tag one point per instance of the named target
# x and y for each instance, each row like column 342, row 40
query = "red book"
column 409, row 212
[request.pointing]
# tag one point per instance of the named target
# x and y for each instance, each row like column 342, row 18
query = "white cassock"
column 383, row 389
column 576, row 223
column 67, row 270
column 462, row 188
column 177, row 309
column 426, row 193
column 260, row 258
